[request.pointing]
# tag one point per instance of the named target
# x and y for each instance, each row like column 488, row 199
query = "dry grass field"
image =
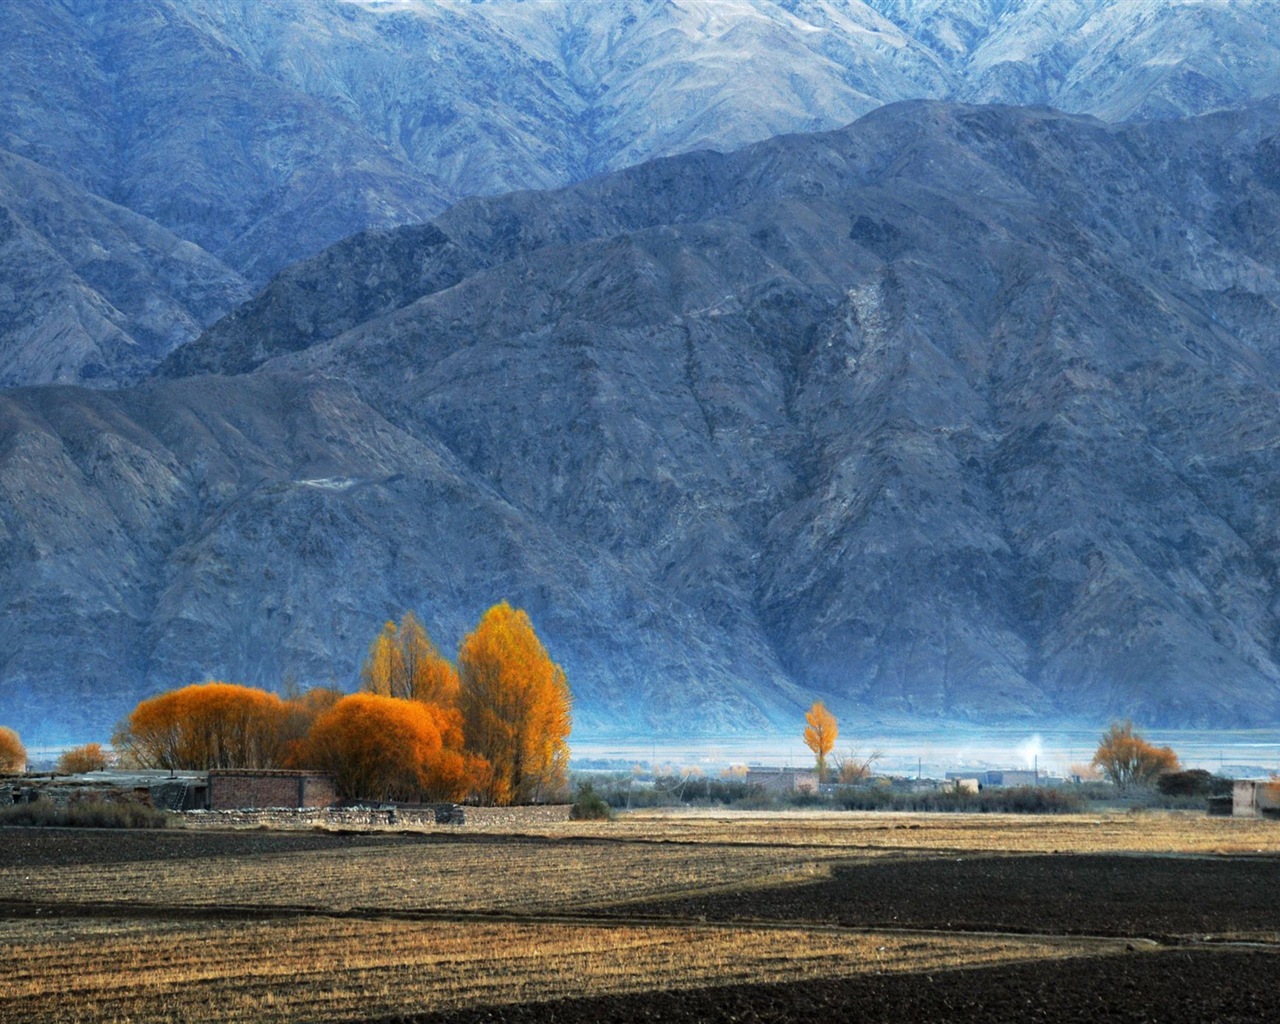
column 320, row 969
column 895, row 832
column 689, row 913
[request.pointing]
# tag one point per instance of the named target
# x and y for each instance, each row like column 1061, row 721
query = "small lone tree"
column 1129, row 761
column 852, row 767
column 820, row 735
column 13, row 755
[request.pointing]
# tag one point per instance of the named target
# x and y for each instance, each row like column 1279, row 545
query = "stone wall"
column 427, row 816
column 321, row 817
column 505, row 818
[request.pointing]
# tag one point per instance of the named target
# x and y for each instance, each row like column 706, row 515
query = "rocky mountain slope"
column 90, row 290
column 1115, row 60
column 957, row 413
column 260, row 133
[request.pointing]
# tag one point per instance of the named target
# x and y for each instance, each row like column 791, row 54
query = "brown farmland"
column 652, row 917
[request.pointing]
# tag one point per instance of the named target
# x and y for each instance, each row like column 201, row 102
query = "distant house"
column 782, row 780
column 1255, row 798
column 998, row 778
column 254, row 789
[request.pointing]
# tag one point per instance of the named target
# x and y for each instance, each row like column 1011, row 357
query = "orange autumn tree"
column 302, row 708
column 515, row 708
column 1129, row 761
column 387, row 748
column 403, row 662
column 79, row 760
column 820, row 734
column 207, row 725
column 13, row 755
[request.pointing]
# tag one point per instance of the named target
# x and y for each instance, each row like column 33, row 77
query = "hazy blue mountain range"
column 185, row 151
column 960, row 412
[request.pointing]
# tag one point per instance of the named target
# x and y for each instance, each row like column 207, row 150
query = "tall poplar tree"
column 516, row 708
column 820, row 734
column 403, row 662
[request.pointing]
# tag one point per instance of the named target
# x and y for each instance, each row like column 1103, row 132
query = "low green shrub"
column 1194, row 782
column 83, row 814
column 1014, row 800
column 588, row 805
column 676, row 791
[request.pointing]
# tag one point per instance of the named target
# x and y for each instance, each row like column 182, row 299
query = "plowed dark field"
column 1091, row 894
column 1169, row 987
column 65, row 846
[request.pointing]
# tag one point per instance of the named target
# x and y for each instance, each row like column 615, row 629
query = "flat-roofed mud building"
column 1255, row 798
column 782, row 780
column 247, row 789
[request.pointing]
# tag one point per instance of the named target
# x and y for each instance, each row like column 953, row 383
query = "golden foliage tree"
column 388, row 748
column 515, row 708
column 1127, row 760
column 383, row 670
column 207, row 725
column 820, row 734
column 13, row 755
column 302, row 708
column 403, row 662
column 78, row 760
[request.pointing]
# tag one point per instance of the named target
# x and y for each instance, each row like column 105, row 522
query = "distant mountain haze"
column 243, row 136
column 959, row 413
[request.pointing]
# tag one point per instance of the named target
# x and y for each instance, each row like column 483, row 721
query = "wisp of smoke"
column 1030, row 750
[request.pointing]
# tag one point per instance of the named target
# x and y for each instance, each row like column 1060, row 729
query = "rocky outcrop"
column 958, row 413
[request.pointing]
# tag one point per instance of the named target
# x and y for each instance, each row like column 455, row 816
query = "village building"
column 782, row 780
column 1003, row 777
column 246, row 789
column 1255, row 798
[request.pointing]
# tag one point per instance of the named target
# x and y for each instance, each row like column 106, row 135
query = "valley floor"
column 655, row 916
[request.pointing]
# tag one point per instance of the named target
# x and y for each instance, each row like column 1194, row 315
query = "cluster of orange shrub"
column 493, row 727
column 13, row 755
